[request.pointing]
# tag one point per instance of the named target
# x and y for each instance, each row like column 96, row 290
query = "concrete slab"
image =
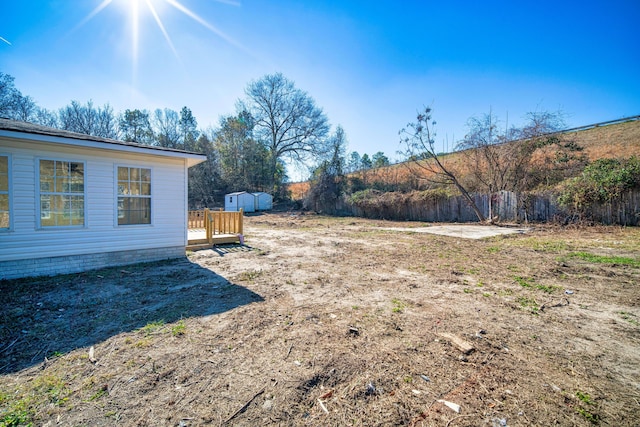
column 462, row 231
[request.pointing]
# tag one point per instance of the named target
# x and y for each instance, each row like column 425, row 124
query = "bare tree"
column 46, row 117
column 286, row 119
column 327, row 181
column 424, row 162
column 486, row 156
column 13, row 104
column 88, row 120
column 106, row 123
column 8, row 96
column 165, row 124
column 74, row 118
column 25, row 108
column 516, row 159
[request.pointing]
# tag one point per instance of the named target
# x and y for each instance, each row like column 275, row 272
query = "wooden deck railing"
column 196, row 219
column 218, row 223
column 223, row 222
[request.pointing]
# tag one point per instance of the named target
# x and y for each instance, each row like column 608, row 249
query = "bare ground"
column 323, row 321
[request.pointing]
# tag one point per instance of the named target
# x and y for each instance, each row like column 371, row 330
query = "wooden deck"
column 208, row 228
column 198, row 239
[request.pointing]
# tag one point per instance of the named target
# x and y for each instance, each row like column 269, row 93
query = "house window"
column 134, row 196
column 4, row 192
column 61, row 193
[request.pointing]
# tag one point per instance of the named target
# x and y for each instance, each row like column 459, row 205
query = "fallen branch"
column 10, row 345
column 562, row 303
column 288, row 352
column 244, row 407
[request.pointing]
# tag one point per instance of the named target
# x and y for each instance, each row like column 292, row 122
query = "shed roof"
column 29, row 131
column 262, row 195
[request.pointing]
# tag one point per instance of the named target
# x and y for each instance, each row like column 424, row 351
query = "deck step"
column 198, row 241
column 198, row 247
column 220, row 239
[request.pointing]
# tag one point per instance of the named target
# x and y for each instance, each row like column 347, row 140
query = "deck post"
column 207, row 225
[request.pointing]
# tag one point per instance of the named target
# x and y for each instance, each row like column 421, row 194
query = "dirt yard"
column 336, row 322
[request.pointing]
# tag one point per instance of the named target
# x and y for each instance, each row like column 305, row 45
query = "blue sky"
column 369, row 64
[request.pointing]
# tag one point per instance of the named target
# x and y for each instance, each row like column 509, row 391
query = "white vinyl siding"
column 100, row 232
column 5, row 197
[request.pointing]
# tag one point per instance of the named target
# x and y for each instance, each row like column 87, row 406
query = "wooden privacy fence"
column 505, row 206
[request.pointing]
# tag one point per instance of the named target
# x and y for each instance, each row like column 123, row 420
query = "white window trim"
column 115, row 192
column 39, row 225
column 9, row 192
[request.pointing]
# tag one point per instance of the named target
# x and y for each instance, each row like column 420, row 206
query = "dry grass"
column 335, row 321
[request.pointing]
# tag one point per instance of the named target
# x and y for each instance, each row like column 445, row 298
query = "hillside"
column 619, row 140
column 615, row 140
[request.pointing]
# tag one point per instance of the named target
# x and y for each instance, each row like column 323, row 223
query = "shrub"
column 603, row 181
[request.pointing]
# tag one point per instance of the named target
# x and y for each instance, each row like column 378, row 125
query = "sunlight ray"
column 204, row 23
column 162, row 28
column 134, row 36
column 134, row 11
column 229, row 2
column 93, row 13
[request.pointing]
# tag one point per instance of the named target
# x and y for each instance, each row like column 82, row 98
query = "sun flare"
column 133, row 10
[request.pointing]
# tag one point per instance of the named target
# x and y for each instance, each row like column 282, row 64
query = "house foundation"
column 51, row 266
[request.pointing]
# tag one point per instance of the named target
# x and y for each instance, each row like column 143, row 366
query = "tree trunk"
column 470, row 200
column 491, row 207
column 452, row 178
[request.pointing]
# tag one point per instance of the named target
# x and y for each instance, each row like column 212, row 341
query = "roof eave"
column 192, row 158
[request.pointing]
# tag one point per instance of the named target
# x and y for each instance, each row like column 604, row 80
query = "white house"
column 239, row 200
column 72, row 202
column 263, row 201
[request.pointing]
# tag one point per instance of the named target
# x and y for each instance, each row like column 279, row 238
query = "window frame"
column 119, row 197
column 8, row 192
column 40, row 194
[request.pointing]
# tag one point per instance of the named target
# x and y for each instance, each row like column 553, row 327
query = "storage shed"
column 239, row 200
column 71, row 202
column 263, row 201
